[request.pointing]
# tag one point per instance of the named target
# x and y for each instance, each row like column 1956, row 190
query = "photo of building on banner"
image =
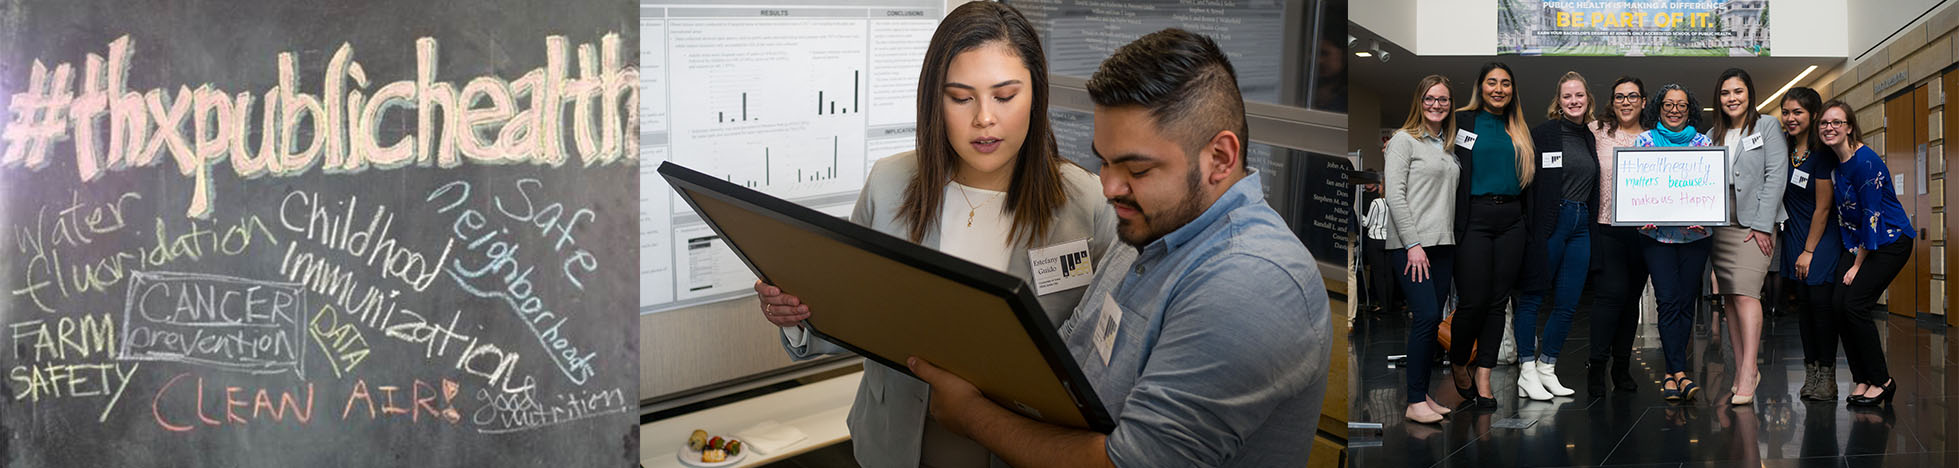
column 1633, row 28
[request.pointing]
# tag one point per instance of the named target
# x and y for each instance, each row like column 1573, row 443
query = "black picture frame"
column 689, row 184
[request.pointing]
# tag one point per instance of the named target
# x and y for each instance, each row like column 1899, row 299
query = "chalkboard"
column 349, row 233
column 1671, row 186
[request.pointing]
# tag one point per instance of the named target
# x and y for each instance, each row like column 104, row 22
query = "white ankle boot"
column 1548, row 377
column 1528, row 384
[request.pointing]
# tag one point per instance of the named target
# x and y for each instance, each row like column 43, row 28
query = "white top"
column 1733, row 141
column 974, row 226
column 984, row 241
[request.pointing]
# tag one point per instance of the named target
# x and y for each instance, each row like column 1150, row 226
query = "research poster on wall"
column 1634, row 28
column 794, row 101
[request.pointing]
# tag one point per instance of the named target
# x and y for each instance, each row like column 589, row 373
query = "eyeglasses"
column 1834, row 123
column 1627, row 97
column 1433, row 100
column 1673, row 106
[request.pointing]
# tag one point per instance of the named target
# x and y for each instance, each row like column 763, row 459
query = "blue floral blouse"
column 1867, row 202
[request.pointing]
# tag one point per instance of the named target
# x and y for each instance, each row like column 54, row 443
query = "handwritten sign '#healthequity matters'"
column 1681, row 186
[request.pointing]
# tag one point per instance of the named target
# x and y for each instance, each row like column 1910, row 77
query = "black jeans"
column 1621, row 280
column 1818, row 318
column 1858, row 304
column 1425, row 300
column 1488, row 259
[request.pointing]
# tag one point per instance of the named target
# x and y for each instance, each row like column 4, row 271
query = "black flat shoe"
column 1622, row 378
column 1482, row 403
column 1595, row 379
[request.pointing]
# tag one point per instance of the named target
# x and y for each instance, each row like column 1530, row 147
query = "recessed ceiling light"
column 1785, row 88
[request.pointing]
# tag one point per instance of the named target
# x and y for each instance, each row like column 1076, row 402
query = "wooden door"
column 1901, row 139
column 1951, row 121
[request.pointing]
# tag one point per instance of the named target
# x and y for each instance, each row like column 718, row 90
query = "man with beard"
column 1206, row 336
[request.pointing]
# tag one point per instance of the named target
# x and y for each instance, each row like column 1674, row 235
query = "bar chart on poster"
column 794, row 101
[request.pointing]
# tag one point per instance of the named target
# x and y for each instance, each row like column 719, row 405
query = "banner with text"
column 1704, row 28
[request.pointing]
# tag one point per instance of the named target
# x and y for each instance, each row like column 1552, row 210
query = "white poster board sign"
column 1671, row 186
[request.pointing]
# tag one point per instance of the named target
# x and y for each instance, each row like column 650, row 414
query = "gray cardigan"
column 1759, row 175
column 887, row 420
column 1419, row 181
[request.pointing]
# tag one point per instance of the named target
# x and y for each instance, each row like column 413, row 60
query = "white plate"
column 691, row 457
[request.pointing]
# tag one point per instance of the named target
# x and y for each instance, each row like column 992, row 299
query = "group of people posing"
column 1477, row 196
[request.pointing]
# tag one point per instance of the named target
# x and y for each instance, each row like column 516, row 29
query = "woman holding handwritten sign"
column 1497, row 158
column 985, row 146
column 1675, row 255
column 1810, row 243
column 1420, row 185
column 1561, row 210
column 1615, row 249
column 1876, row 229
column 1742, row 249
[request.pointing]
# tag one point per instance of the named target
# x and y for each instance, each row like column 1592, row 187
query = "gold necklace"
column 972, row 209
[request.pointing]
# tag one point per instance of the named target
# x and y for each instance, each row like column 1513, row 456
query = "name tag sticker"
column 1106, row 325
column 1751, row 142
column 1554, row 160
column 1799, row 178
column 1465, row 139
column 1061, row 267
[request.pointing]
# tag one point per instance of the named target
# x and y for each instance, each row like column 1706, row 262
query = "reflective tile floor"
column 1921, row 428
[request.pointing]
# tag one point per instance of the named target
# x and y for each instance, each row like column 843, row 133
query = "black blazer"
column 1545, row 191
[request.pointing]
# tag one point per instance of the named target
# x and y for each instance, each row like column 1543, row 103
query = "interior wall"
column 1872, row 20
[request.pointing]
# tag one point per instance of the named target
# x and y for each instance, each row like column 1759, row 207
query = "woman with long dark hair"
column 1498, row 161
column 1741, row 250
column 1877, row 231
column 1419, row 182
column 1675, row 255
column 1811, row 245
column 985, row 184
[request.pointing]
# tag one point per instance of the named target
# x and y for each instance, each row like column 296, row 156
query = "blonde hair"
column 1514, row 124
column 1416, row 125
column 1555, row 113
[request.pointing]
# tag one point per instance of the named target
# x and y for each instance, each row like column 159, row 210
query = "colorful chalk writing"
column 301, row 308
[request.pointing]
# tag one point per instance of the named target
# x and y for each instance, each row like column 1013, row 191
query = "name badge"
column 1107, row 323
column 1554, row 160
column 1465, row 139
column 1799, row 178
column 1061, row 267
column 1751, row 142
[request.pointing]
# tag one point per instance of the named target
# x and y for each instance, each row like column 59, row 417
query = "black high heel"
column 1890, row 388
column 1468, row 393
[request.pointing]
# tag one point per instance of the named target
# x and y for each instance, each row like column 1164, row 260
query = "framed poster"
column 1670, row 186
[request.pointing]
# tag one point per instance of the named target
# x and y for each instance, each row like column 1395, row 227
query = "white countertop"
column 817, row 409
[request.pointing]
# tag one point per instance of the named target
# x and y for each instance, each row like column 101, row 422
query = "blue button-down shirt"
column 1221, row 352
